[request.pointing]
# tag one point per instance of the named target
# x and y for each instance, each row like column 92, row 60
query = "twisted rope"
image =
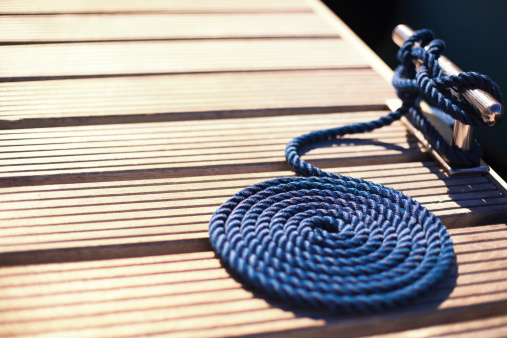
column 333, row 242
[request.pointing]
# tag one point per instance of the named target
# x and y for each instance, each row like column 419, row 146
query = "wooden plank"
column 65, row 28
column 178, row 146
column 191, row 295
column 147, row 216
column 495, row 327
column 157, row 98
column 121, row 6
column 29, row 62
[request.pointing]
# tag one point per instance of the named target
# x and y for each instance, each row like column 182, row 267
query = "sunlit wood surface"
column 125, row 124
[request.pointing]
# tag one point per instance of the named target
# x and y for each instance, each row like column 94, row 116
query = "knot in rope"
column 332, row 242
column 428, row 79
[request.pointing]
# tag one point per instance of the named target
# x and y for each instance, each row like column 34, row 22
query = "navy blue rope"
column 333, row 242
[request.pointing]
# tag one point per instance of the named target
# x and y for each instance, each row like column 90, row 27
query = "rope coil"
column 332, row 242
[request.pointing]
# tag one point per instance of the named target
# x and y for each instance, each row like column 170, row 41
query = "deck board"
column 171, row 146
column 95, row 59
column 191, row 295
column 189, row 96
column 18, row 29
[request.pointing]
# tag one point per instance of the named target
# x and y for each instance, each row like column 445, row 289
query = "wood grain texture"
column 122, row 6
column 146, row 216
column 24, row 62
column 495, row 327
column 177, row 146
column 188, row 96
column 65, row 28
column 191, row 295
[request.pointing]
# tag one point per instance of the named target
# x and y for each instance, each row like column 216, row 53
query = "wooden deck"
column 125, row 124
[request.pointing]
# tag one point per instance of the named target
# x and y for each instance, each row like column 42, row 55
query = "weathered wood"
column 65, row 28
column 146, row 216
column 191, row 295
column 177, row 146
column 30, row 62
column 189, row 96
column 121, row 6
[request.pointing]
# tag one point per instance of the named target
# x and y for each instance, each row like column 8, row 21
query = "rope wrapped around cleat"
column 430, row 82
column 332, row 242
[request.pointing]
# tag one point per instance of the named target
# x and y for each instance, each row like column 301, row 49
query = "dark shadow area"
column 88, row 268
column 93, row 253
column 350, row 141
column 472, row 43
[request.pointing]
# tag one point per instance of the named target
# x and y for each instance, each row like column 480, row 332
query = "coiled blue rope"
column 333, row 242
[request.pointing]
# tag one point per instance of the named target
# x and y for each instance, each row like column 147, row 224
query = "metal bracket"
column 483, row 104
column 446, row 131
